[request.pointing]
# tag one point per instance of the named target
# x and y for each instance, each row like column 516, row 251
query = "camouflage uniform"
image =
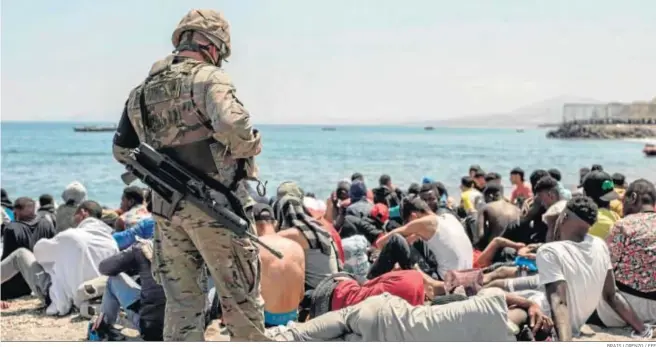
column 191, row 108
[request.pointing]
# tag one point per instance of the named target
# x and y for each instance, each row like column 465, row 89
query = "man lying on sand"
column 388, row 318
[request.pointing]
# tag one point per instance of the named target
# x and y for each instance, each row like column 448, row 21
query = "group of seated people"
column 389, row 265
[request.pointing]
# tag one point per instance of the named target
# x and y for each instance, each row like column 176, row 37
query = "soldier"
column 187, row 109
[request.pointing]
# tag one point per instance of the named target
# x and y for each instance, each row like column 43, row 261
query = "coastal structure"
column 607, row 121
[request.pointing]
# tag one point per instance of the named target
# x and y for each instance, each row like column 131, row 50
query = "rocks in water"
column 603, row 131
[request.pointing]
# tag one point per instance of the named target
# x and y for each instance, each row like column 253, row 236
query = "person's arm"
column 480, row 226
column 419, row 227
column 229, row 118
column 367, row 229
column 619, row 304
column 497, row 244
column 537, row 320
column 120, row 262
column 144, row 229
column 553, row 279
column 125, row 138
column 557, row 296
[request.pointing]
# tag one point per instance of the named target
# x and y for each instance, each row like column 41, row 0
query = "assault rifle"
column 175, row 183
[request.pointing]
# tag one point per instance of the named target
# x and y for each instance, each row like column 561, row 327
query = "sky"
column 337, row 61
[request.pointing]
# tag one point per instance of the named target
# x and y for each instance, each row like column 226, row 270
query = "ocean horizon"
column 43, row 157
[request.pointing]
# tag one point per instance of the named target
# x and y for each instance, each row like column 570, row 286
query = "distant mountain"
column 543, row 112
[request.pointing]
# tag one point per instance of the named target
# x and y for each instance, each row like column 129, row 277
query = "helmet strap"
column 189, row 45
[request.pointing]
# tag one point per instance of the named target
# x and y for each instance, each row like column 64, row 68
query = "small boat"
column 649, row 150
column 520, row 130
column 429, row 128
column 328, row 129
column 94, row 129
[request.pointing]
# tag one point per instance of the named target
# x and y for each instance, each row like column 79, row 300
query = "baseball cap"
column 618, row 179
column 479, row 173
column 599, row 185
column 263, row 212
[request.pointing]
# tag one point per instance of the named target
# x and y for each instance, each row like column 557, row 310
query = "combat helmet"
column 209, row 22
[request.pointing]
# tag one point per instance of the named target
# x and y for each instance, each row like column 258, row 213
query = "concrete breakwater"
column 603, row 131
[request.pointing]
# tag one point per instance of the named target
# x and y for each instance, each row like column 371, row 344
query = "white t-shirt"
column 451, row 245
column 583, row 266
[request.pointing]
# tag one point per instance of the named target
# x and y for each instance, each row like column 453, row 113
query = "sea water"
column 40, row 158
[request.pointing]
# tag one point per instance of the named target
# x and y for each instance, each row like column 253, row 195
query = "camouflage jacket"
column 189, row 101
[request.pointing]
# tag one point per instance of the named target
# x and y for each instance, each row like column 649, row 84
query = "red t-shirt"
column 406, row 284
column 521, row 190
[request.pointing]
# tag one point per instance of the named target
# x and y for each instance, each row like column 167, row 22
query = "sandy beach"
column 25, row 321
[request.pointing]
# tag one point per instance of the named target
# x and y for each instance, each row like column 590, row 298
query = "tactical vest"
column 164, row 113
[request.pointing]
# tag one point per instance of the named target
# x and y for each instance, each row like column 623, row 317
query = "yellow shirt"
column 605, row 221
column 468, row 198
column 616, row 205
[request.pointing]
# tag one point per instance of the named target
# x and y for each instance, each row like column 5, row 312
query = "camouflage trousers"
column 182, row 246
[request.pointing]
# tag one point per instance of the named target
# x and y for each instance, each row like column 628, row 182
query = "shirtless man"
column 495, row 216
column 282, row 279
column 295, row 223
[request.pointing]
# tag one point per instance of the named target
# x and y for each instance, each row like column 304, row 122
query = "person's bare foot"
column 4, row 305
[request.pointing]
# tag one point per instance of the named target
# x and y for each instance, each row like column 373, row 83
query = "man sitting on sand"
column 632, row 245
column 495, row 216
column 282, row 279
column 134, row 210
column 493, row 177
column 23, row 233
column 47, row 208
column 522, row 190
column 360, row 205
column 388, row 318
column 296, row 224
column 60, row 265
column 144, row 303
column 616, row 205
column 470, row 197
column 73, row 196
column 444, row 235
column 337, row 199
column 548, row 193
column 575, row 273
column 598, row 185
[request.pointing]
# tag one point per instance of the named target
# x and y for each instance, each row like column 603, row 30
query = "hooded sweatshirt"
column 72, row 257
column 47, row 212
column 22, row 234
column 73, row 196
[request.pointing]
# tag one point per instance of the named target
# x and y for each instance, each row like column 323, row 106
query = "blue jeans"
column 121, row 291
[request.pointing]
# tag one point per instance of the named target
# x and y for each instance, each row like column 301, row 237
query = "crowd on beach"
column 381, row 264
